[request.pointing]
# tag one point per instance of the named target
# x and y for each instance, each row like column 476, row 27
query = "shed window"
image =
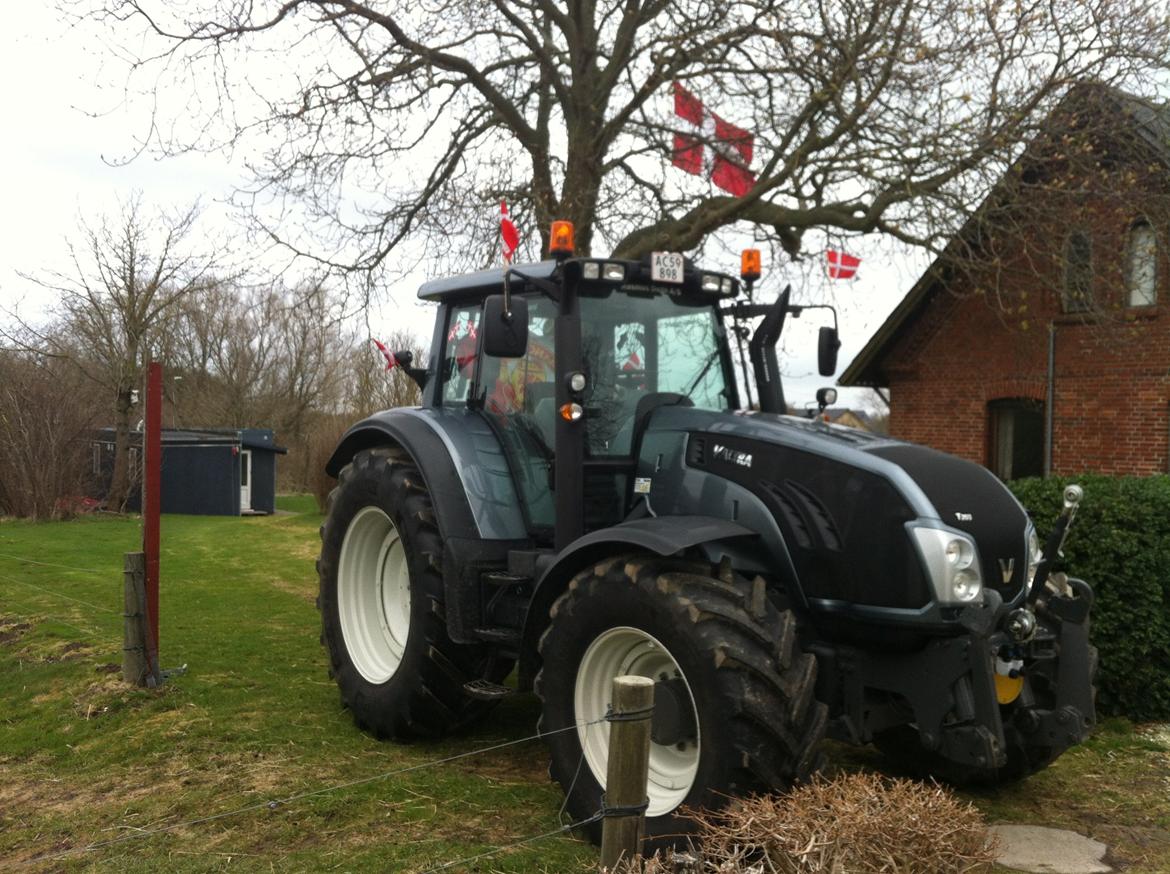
column 97, row 458
column 1141, row 271
column 1078, row 273
column 1017, row 438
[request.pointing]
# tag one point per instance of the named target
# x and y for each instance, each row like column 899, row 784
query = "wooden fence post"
column 624, row 804
column 135, row 666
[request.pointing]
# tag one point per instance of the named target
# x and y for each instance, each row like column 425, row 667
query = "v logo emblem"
column 1007, row 567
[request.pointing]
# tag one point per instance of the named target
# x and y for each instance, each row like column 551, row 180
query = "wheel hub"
column 673, row 722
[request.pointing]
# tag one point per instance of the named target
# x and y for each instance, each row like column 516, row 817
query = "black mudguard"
column 657, row 535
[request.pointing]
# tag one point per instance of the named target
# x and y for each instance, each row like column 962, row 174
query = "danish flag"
column 840, row 265
column 391, row 361
column 717, row 148
column 509, row 236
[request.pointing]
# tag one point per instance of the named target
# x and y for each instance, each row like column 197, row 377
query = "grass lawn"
column 85, row 760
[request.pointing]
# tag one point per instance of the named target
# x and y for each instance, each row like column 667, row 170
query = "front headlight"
column 952, row 563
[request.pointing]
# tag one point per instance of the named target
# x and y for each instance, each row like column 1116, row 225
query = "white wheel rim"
column 373, row 595
column 630, row 651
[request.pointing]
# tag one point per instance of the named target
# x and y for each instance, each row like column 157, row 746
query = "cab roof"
column 482, row 282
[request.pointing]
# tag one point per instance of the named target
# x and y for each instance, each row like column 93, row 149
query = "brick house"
column 1039, row 341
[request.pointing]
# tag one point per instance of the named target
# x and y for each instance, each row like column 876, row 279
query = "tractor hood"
column 846, row 501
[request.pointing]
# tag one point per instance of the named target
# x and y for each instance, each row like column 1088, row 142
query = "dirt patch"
column 12, row 631
column 66, row 651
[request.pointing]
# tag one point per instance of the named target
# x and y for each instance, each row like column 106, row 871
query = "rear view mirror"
column 505, row 333
column 827, row 346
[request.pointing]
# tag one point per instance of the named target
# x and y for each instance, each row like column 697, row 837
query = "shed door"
column 245, row 480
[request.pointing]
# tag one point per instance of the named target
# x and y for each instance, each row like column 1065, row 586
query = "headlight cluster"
column 953, row 565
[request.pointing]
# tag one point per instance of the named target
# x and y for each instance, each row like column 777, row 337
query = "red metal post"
column 151, row 500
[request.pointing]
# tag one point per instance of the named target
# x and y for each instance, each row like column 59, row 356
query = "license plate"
column 666, row 267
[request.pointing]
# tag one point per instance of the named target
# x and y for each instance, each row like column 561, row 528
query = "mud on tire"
column 755, row 724
column 381, row 603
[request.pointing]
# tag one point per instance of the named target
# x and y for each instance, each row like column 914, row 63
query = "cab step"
column 486, row 690
column 504, row 578
column 498, row 636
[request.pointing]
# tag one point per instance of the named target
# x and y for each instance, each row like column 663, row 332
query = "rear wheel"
column 734, row 705
column 381, row 602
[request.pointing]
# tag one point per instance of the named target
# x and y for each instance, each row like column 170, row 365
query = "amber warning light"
column 749, row 265
column 560, row 243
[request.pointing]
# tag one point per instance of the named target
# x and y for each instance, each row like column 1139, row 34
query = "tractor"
column 585, row 492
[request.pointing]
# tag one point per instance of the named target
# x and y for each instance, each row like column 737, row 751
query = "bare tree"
column 128, row 274
column 45, row 419
column 371, row 387
column 890, row 116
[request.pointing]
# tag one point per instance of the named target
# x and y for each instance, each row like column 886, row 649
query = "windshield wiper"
column 706, row 366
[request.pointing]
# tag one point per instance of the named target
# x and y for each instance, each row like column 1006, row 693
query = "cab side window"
column 459, row 352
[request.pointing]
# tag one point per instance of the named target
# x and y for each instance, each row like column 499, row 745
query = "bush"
column 859, row 823
column 1120, row 545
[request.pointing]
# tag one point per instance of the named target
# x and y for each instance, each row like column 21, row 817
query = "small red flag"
column 391, row 361
column 508, row 233
column 840, row 265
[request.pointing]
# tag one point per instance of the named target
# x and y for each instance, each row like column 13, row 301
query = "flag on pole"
column 716, row 148
column 840, row 265
column 508, row 233
column 391, row 361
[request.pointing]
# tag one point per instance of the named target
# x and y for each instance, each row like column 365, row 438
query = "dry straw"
column 855, row 824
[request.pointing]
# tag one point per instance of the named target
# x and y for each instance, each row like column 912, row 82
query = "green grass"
column 85, row 759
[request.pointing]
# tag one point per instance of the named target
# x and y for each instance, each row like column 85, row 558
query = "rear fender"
column 665, row 536
column 460, row 460
column 471, row 492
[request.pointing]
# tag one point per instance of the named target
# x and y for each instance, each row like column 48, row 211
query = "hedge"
column 1120, row 545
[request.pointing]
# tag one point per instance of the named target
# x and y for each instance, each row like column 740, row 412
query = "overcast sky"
column 68, row 133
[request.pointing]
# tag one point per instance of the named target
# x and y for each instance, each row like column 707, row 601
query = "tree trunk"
column 121, row 479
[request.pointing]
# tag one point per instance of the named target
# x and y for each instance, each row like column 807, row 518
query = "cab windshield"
column 636, row 345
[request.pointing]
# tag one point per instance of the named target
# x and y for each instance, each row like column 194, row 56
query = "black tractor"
column 584, row 493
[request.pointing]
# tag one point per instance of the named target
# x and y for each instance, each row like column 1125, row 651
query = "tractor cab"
column 597, row 346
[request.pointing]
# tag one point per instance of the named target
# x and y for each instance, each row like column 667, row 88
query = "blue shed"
column 205, row 471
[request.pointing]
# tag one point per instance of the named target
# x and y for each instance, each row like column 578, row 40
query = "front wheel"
column 734, row 709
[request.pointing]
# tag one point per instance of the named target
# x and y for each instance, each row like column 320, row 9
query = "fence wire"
column 277, row 803
column 531, row 839
column 68, row 567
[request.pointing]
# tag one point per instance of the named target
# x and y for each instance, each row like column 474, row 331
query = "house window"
column 1141, row 272
column 1016, row 427
column 97, row 459
column 1078, row 273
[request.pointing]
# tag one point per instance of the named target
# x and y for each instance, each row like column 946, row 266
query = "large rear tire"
column 381, row 603
column 734, row 711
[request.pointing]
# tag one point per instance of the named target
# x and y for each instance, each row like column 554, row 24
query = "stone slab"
column 1040, row 850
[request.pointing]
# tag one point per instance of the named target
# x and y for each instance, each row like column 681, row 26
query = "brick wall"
column 984, row 337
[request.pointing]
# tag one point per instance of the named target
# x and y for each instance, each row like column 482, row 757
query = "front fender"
column 667, row 535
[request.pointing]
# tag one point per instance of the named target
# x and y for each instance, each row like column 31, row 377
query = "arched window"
column 1141, row 266
column 1078, row 273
